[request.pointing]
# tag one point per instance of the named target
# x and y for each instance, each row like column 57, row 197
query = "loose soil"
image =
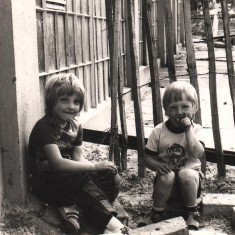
column 135, row 197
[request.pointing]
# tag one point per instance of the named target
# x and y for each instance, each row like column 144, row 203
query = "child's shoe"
column 71, row 217
column 72, row 225
column 191, row 222
column 157, row 216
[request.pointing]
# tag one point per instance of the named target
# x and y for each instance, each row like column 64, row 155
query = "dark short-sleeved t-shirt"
column 45, row 132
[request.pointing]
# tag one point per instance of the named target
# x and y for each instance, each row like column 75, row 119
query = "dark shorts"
column 92, row 192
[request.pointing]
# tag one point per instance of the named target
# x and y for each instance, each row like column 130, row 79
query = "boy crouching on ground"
column 174, row 150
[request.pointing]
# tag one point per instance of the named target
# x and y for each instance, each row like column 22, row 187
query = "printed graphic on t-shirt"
column 68, row 136
column 177, row 157
column 65, row 142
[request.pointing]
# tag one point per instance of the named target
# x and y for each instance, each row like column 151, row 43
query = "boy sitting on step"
column 60, row 175
column 173, row 151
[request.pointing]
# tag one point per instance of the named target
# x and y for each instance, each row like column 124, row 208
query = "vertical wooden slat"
column 57, row 41
column 169, row 40
column 104, row 38
column 213, row 91
column 121, row 100
column 229, row 55
column 50, row 46
column 162, row 36
column 88, row 74
column 122, row 112
column 178, row 22
column 61, row 39
column 71, row 41
column 99, row 47
column 191, row 61
column 114, row 51
column 44, row 16
column 105, row 56
column 100, row 74
column 40, row 38
column 66, row 40
column 79, row 40
column 174, row 23
column 153, row 63
column 85, row 42
column 141, row 43
column 93, row 94
column 105, row 51
column 136, row 89
column 98, row 39
column 109, row 19
column 181, row 23
column 85, row 82
column 76, row 45
column 106, row 79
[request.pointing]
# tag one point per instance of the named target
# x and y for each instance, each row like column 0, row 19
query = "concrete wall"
column 1, row 185
column 19, row 96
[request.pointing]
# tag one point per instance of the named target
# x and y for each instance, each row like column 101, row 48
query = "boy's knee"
column 117, row 181
column 167, row 178
column 188, row 175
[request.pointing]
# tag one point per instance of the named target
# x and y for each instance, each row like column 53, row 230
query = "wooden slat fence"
column 72, row 38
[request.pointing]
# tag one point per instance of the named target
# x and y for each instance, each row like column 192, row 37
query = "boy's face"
column 65, row 109
column 180, row 109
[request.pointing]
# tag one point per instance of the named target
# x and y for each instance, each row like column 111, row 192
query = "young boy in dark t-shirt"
column 59, row 173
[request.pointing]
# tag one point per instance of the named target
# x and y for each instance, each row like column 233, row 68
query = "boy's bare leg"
column 189, row 183
column 162, row 190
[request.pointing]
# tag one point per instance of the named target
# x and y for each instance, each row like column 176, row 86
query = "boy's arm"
column 195, row 146
column 156, row 166
column 77, row 154
column 60, row 164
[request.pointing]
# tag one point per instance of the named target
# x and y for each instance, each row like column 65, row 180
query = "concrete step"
column 52, row 216
column 217, row 203
column 233, row 217
column 175, row 226
column 206, row 231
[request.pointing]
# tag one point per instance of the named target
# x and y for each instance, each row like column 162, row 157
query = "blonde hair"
column 176, row 90
column 63, row 84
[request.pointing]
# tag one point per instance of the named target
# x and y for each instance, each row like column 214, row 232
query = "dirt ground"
column 135, row 196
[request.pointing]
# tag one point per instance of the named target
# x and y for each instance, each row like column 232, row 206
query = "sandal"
column 72, row 225
column 71, row 218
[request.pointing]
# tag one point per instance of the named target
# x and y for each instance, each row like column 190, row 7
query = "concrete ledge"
column 217, row 203
column 206, row 231
column 233, row 217
column 175, row 226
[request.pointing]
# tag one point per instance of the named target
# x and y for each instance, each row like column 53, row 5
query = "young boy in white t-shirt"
column 173, row 151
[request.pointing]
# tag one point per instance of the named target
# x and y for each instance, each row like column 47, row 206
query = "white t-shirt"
column 171, row 148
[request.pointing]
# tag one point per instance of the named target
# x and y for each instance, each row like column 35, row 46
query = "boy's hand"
column 163, row 169
column 186, row 122
column 105, row 165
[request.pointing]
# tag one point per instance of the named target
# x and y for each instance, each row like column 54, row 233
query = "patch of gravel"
column 135, row 197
